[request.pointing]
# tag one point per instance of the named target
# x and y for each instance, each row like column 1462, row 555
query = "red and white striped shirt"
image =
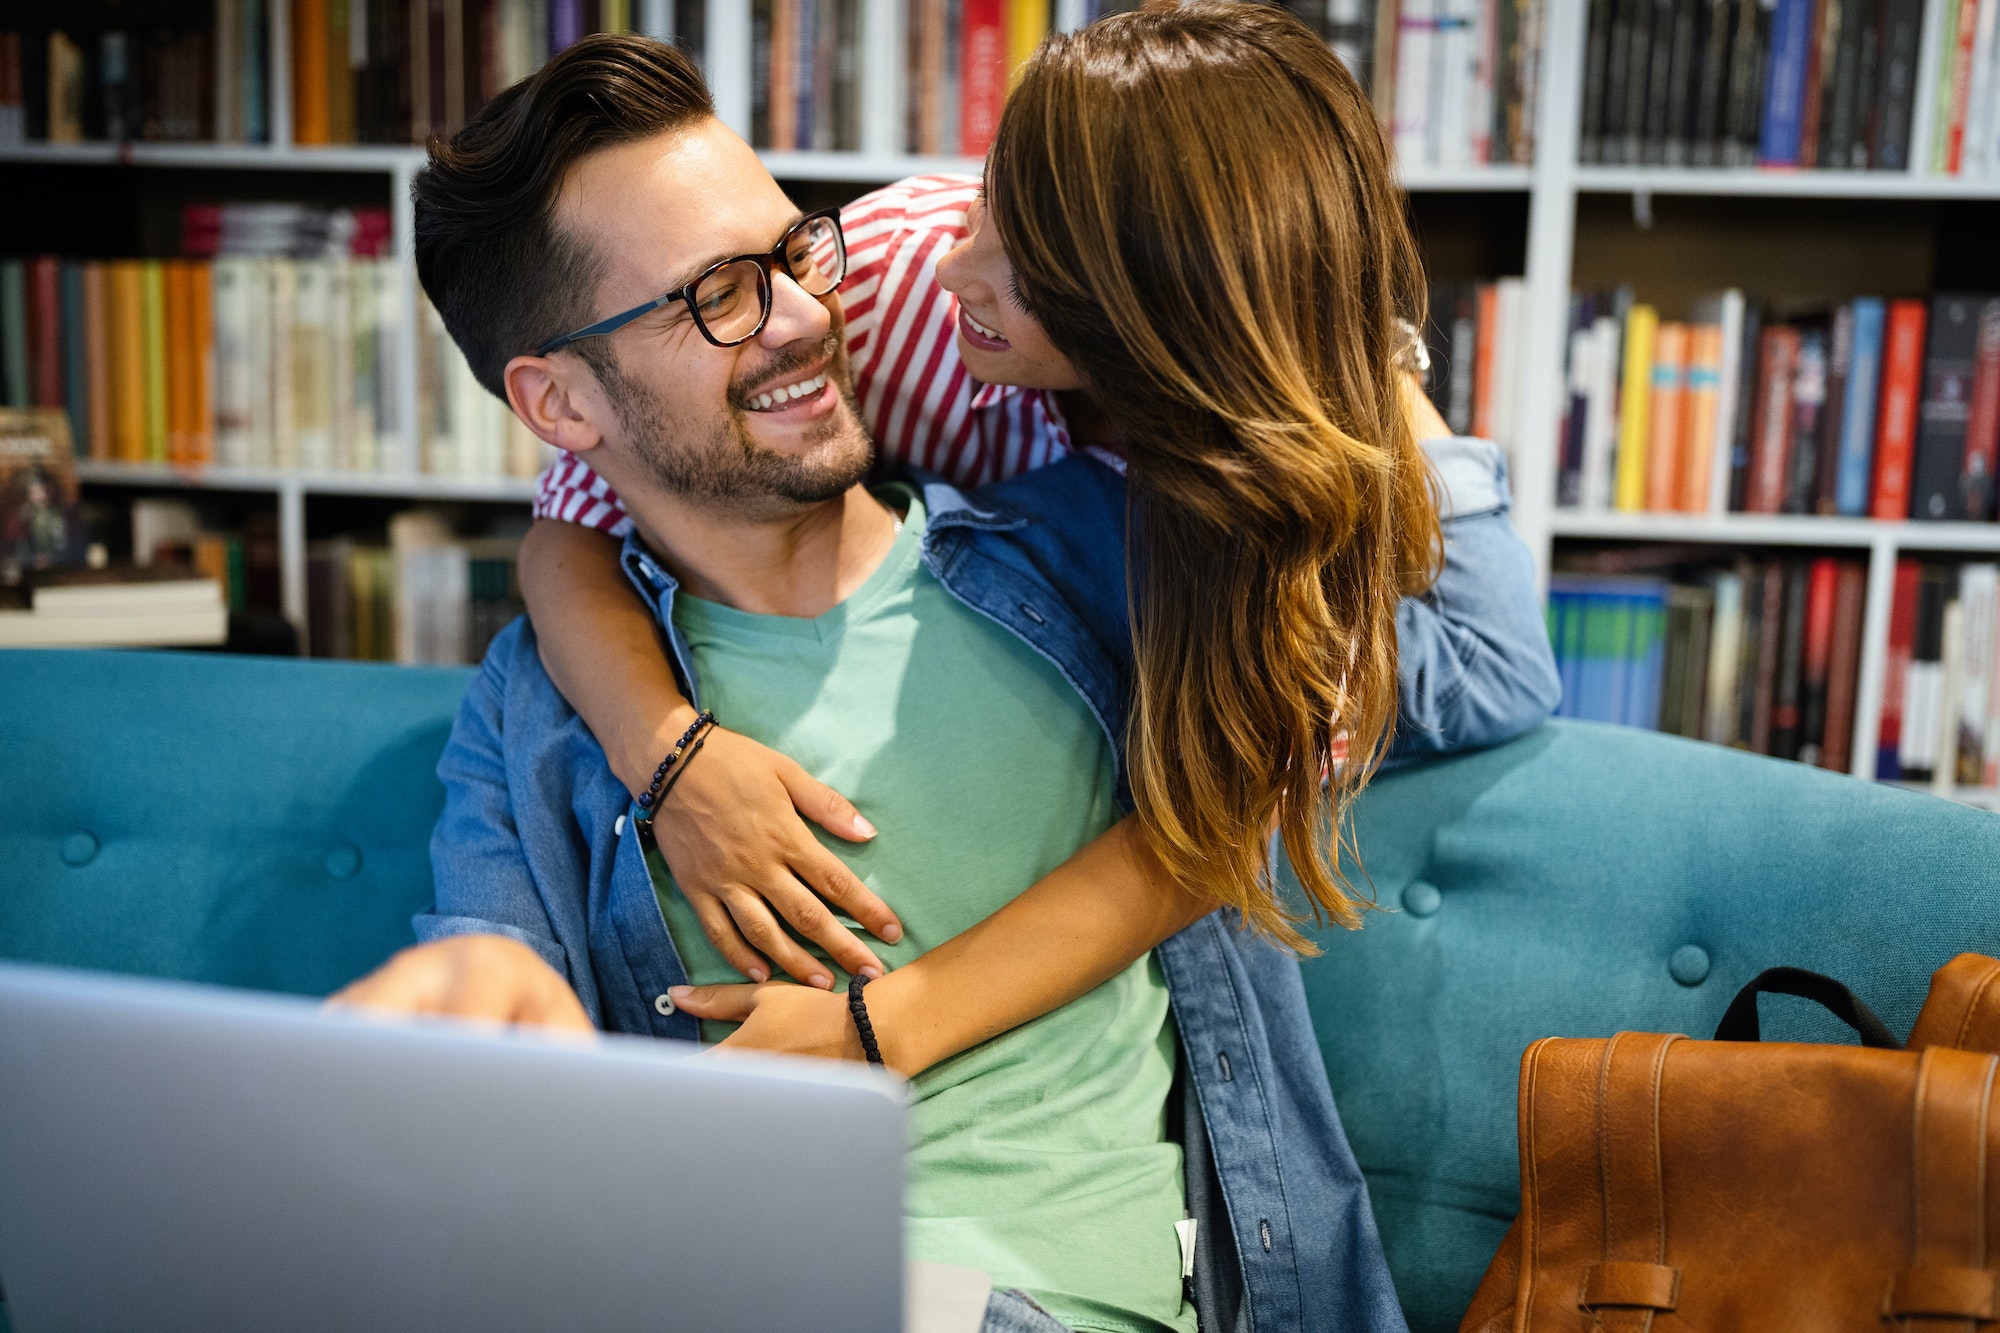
column 916, row 397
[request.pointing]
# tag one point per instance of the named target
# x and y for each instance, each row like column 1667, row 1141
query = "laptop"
column 183, row 1157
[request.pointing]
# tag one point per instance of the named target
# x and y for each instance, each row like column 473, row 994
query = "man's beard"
column 723, row 467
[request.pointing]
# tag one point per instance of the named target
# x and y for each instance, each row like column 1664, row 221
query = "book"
column 1742, row 432
column 1856, row 448
column 1770, row 450
column 1950, row 358
column 1896, row 426
column 97, row 358
column 1725, row 660
column 1809, row 376
column 1701, row 418
column 1982, row 422
column 1665, row 396
column 1635, row 408
column 1896, row 672
column 1979, row 595
column 1787, row 699
column 1923, row 694
column 983, row 74
column 1770, row 645
column 1822, row 591
column 1839, row 366
column 41, row 525
column 1843, row 680
column 1901, row 27
column 75, row 359
column 16, row 381
column 1784, row 84
column 153, row 333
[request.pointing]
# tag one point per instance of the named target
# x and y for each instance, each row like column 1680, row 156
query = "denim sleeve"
column 1474, row 663
column 484, row 885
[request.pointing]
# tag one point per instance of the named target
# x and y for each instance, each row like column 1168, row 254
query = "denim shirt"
column 533, row 845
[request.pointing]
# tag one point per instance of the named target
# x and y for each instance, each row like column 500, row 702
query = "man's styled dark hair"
column 490, row 254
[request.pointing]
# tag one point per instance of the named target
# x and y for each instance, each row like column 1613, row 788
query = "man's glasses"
column 731, row 301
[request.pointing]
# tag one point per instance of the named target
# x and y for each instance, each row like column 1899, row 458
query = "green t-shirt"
column 1040, row 1156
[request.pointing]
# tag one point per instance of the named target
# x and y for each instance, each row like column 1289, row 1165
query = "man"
column 950, row 657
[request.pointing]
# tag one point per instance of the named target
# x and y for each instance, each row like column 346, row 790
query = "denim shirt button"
column 663, row 1004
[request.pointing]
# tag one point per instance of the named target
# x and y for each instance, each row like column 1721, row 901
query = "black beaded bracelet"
column 653, row 795
column 859, row 1009
column 682, row 758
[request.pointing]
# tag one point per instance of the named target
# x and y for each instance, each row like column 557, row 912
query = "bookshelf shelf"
column 403, row 485
column 1777, row 530
column 246, row 157
column 1751, row 183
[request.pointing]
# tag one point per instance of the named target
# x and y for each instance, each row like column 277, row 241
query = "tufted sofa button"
column 1422, row 899
column 79, row 849
column 1689, row 965
column 344, row 861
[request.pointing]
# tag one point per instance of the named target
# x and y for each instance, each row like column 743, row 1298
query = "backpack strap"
column 1632, row 1282
column 1951, row 1281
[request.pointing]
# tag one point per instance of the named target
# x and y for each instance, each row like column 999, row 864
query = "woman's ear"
column 553, row 402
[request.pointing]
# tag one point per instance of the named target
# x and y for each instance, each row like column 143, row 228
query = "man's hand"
column 792, row 1020
column 481, row 977
column 742, row 856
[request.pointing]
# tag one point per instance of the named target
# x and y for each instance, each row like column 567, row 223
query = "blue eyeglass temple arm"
column 610, row 325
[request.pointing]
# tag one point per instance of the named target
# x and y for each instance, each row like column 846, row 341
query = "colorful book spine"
column 153, row 332
column 1896, row 672
column 1666, row 399
column 1837, row 750
column 982, row 74
column 1704, row 388
column 311, row 105
column 16, row 384
column 44, row 280
column 75, row 359
column 126, row 322
column 1857, row 415
column 1809, row 382
column 1822, row 597
column 1982, row 424
column 97, row 355
column 1896, row 427
column 1770, row 452
column 1784, row 84
column 1950, row 358
column 1635, row 408
column 1027, row 25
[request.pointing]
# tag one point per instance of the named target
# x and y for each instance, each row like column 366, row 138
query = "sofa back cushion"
column 242, row 821
column 1587, row 879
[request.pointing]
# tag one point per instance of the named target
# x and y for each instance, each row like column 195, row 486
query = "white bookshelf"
column 1553, row 188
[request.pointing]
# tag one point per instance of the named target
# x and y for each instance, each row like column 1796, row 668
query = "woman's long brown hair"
column 1200, row 211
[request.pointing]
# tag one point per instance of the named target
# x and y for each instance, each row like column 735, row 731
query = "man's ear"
column 555, row 400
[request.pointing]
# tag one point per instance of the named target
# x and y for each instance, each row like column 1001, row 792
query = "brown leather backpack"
column 1718, row 1185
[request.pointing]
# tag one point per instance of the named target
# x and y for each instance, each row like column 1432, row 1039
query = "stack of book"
column 1941, row 694
column 1474, row 337
column 362, row 71
column 1776, row 83
column 1455, row 79
column 273, row 346
column 119, row 608
column 426, row 597
column 804, row 83
column 960, row 59
column 1889, row 409
column 1764, row 656
column 1965, row 138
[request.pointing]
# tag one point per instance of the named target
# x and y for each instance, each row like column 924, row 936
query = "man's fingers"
column 828, row 876
column 725, row 1004
column 811, row 917
column 753, row 917
column 720, row 927
column 823, row 805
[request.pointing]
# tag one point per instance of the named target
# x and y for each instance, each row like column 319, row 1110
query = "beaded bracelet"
column 859, row 1009
column 654, row 795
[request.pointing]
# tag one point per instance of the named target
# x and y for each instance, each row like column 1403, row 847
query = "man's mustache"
column 781, row 368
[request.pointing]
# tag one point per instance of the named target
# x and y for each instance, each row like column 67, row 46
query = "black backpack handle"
column 1739, row 1022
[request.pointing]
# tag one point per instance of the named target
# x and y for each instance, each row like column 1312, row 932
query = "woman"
column 1193, row 261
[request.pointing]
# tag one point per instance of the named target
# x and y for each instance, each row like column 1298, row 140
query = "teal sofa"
column 264, row 823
